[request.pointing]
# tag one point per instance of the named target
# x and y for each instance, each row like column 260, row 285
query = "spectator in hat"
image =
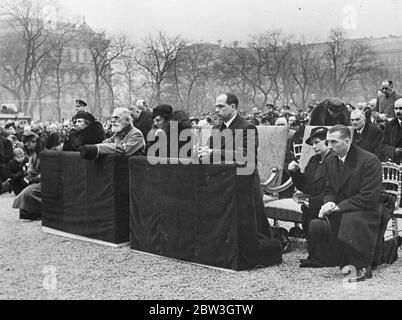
column 29, row 200
column 312, row 181
column 142, row 117
column 163, row 115
column 80, row 106
column 86, row 131
column 126, row 140
column 330, row 112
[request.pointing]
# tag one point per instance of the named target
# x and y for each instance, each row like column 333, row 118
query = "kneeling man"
column 349, row 224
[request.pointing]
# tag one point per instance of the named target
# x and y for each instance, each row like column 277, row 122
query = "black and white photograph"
column 200, row 157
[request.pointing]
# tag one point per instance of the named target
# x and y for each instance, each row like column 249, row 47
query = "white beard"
column 117, row 128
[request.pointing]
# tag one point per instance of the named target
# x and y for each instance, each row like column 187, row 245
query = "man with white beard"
column 127, row 140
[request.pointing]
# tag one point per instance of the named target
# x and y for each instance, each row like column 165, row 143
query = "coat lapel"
column 348, row 167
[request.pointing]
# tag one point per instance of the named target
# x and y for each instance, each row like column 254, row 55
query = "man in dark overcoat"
column 142, row 117
column 392, row 150
column 366, row 135
column 348, row 229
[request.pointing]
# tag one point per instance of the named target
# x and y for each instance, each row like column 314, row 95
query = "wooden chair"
column 288, row 209
column 271, row 154
column 392, row 185
column 297, row 150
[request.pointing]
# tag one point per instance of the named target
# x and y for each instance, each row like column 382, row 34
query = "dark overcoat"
column 93, row 134
column 392, row 139
column 144, row 123
column 371, row 140
column 356, row 191
column 312, row 181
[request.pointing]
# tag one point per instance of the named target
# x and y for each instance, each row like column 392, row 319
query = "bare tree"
column 347, row 61
column 104, row 53
column 259, row 65
column 191, row 69
column 157, row 59
column 304, row 71
column 30, row 47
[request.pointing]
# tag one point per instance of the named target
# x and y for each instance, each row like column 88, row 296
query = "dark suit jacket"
column 238, row 150
column 356, row 191
column 144, row 123
column 386, row 105
column 392, row 139
column 312, row 181
column 239, row 129
column 371, row 140
column 6, row 154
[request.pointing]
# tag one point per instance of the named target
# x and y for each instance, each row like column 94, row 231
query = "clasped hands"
column 204, row 153
column 327, row 209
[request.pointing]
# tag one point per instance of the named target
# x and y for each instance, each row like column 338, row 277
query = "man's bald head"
column 387, row 87
column 398, row 108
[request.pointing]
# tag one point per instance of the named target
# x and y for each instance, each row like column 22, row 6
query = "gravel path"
column 87, row 271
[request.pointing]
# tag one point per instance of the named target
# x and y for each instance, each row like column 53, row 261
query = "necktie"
column 340, row 165
column 224, row 126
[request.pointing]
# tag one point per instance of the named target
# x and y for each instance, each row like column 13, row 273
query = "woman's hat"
column 162, row 110
column 320, row 132
column 85, row 115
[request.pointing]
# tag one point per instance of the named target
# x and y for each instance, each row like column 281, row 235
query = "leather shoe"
column 307, row 263
column 362, row 274
column 26, row 215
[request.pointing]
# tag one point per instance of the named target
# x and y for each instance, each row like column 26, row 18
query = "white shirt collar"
column 361, row 130
column 227, row 124
column 343, row 158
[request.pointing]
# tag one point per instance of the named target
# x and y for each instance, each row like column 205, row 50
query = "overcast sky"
column 229, row 20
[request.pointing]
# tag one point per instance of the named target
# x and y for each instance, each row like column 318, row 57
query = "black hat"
column 321, row 229
column 9, row 124
column 85, row 115
column 320, row 132
column 162, row 110
column 83, row 103
column 88, row 152
column 335, row 105
column 29, row 134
